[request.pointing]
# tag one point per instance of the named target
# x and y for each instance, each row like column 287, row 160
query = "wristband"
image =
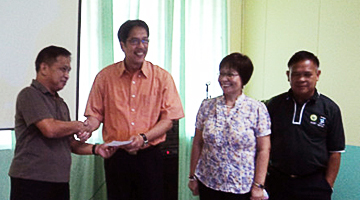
column 93, row 149
column 258, row 185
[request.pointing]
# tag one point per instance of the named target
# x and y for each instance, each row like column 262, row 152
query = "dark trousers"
column 23, row 189
column 206, row 193
column 310, row 187
column 135, row 177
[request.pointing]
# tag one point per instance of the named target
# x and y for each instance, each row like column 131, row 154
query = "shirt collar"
column 315, row 96
column 238, row 101
column 36, row 84
column 121, row 67
column 145, row 68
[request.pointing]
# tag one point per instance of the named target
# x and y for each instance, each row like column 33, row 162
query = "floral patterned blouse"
column 227, row 160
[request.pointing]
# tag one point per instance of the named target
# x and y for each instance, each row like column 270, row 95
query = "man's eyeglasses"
column 136, row 41
column 227, row 75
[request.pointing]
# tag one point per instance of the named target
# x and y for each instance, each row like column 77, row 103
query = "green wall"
column 347, row 185
column 5, row 160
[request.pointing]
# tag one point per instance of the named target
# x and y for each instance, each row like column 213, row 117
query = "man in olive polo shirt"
column 44, row 133
column 307, row 136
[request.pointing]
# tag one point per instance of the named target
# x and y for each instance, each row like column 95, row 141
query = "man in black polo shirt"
column 307, row 136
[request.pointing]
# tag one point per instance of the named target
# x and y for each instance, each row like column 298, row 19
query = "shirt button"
column 139, row 76
column 133, row 96
column 133, row 82
column 132, row 123
column 132, row 109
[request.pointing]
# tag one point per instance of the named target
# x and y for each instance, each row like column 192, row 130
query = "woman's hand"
column 194, row 187
column 257, row 193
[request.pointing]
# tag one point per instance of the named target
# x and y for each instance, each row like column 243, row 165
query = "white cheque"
column 118, row 143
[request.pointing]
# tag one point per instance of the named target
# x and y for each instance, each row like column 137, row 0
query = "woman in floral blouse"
column 231, row 146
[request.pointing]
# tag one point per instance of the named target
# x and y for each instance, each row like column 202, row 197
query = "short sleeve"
column 95, row 104
column 171, row 108
column 200, row 117
column 336, row 137
column 263, row 123
column 32, row 107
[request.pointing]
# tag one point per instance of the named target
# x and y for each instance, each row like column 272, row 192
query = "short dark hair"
column 126, row 27
column 301, row 56
column 241, row 63
column 49, row 55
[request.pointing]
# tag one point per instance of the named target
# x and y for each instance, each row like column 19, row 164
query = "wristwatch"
column 146, row 141
column 93, row 149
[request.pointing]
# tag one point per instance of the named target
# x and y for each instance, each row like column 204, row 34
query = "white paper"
column 118, row 143
column 266, row 196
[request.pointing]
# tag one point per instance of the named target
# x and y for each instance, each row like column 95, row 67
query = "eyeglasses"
column 136, row 41
column 227, row 75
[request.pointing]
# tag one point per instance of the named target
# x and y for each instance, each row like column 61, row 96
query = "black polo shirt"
column 304, row 135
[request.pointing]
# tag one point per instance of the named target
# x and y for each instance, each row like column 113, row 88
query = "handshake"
column 84, row 131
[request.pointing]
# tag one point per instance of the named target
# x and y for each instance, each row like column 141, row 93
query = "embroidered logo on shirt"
column 322, row 121
column 313, row 117
column 319, row 121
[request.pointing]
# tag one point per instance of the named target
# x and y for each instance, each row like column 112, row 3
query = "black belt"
column 279, row 172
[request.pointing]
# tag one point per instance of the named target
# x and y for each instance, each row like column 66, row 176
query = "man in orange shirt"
column 137, row 101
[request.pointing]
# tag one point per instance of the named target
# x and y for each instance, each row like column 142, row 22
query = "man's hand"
column 85, row 132
column 105, row 151
column 136, row 144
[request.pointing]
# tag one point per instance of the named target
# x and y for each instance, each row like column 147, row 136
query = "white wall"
column 26, row 27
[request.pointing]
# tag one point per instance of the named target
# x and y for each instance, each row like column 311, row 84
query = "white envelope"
column 118, row 143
